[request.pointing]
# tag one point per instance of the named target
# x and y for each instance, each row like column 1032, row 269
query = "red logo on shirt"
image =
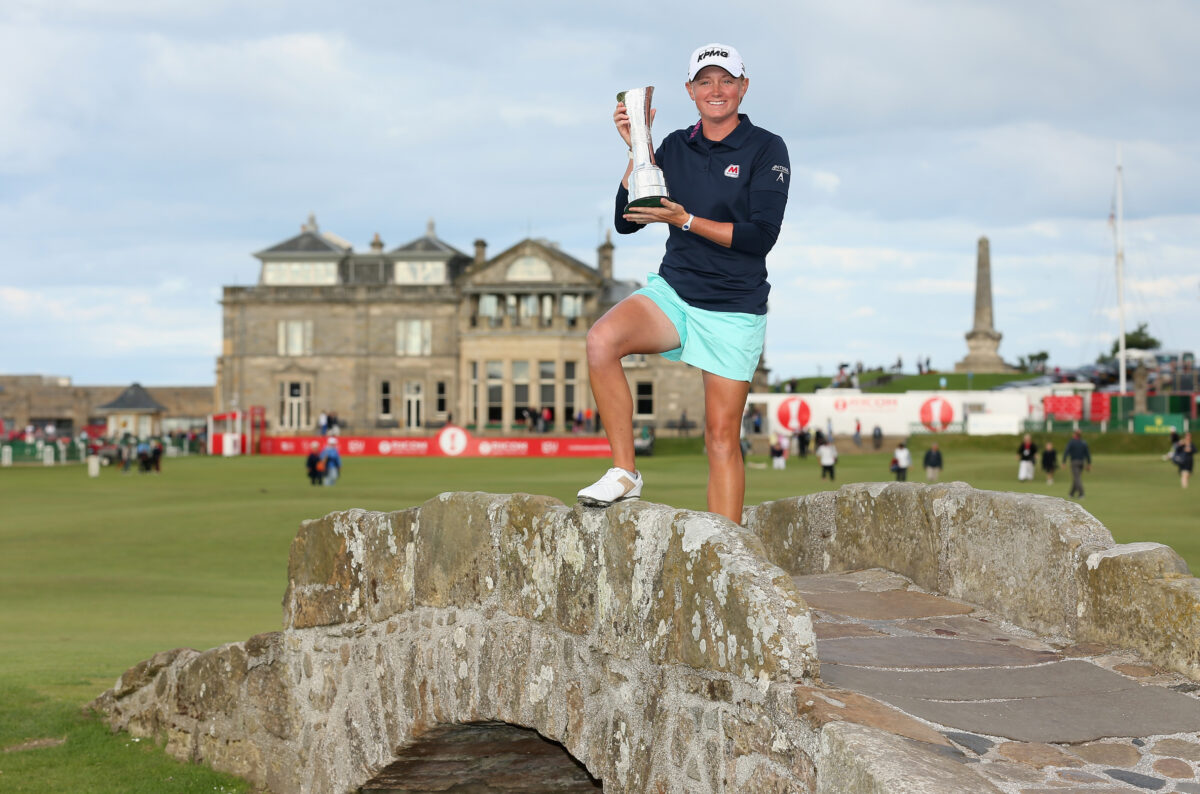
column 733, row 171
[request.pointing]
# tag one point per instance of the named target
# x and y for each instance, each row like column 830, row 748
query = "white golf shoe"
column 616, row 485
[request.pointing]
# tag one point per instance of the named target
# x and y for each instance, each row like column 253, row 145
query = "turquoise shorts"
column 728, row 344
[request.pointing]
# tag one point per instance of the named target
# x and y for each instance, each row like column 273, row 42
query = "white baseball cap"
column 716, row 55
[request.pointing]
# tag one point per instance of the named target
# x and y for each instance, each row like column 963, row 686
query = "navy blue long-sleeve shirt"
column 742, row 180
column 1077, row 450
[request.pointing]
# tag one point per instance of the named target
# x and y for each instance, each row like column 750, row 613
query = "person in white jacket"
column 901, row 460
column 827, row 456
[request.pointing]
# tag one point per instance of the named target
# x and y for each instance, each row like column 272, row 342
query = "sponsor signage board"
column 894, row 414
column 450, row 441
column 1158, row 424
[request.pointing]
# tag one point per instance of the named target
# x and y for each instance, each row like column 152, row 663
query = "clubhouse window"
column 495, row 392
column 520, row 386
column 414, row 337
column 645, row 398
column 385, row 399
column 294, row 337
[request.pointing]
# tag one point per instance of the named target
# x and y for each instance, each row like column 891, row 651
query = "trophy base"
column 646, row 201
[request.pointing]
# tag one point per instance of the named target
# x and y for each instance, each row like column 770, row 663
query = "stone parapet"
column 1040, row 562
column 1141, row 596
column 656, row 645
column 640, row 579
column 666, row 650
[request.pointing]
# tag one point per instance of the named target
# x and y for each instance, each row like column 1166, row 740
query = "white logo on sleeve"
column 733, row 171
column 781, row 169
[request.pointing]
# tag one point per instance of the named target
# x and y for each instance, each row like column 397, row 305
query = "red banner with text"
column 450, row 441
column 1064, row 408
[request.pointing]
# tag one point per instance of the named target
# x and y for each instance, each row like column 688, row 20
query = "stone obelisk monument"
column 983, row 340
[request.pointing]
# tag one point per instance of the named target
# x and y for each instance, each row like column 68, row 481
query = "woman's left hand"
column 669, row 212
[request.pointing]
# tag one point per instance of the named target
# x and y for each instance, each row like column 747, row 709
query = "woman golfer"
column 707, row 304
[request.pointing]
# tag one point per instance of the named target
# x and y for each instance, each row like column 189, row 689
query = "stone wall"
column 656, row 645
column 665, row 650
column 1040, row 562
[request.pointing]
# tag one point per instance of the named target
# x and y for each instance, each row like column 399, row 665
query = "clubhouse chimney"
column 604, row 257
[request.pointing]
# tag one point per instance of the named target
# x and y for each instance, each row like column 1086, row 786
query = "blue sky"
column 148, row 149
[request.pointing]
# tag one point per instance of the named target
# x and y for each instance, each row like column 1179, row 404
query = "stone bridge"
column 482, row 642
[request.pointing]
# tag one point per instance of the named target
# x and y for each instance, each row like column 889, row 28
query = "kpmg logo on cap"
column 712, row 54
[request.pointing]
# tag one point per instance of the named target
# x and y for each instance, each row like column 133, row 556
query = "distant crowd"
column 1075, row 457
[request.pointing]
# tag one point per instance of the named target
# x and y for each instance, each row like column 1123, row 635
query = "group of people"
column 328, row 423
column 1077, row 456
column 145, row 454
column 324, row 465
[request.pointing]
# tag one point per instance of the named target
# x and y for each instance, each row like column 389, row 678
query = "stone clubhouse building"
column 402, row 341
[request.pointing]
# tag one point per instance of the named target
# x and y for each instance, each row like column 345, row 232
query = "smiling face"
column 717, row 94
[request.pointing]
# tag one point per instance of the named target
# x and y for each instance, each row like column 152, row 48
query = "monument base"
column 981, row 354
column 984, row 365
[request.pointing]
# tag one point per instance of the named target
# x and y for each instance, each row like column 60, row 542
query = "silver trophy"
column 646, row 184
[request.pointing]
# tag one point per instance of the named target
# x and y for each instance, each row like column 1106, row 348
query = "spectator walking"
column 857, row 433
column 1026, row 455
column 933, row 463
column 802, row 440
column 779, row 449
column 1079, row 457
column 332, row 460
column 877, row 437
column 901, row 460
column 323, row 422
column 1049, row 462
column 827, row 456
column 1184, row 456
column 313, row 464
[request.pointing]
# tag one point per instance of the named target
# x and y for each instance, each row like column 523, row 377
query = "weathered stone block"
column 796, row 532
column 548, row 563
column 1016, row 554
column 454, row 551
column 881, row 525
column 1141, row 596
column 323, row 586
column 211, row 684
column 855, row 758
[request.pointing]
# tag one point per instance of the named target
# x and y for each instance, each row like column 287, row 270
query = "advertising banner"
column 450, row 441
column 1063, row 407
column 1158, row 424
column 844, row 410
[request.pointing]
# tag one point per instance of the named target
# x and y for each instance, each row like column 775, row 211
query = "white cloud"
column 943, row 286
column 825, row 181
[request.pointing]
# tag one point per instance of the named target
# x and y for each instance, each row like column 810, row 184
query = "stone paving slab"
column 889, row 605
column 967, row 627
column 1067, row 719
column 927, row 652
column 869, row 580
column 1027, row 711
column 1058, row 678
column 1069, row 702
column 831, row 631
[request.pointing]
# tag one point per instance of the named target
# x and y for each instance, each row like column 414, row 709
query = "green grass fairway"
column 96, row 575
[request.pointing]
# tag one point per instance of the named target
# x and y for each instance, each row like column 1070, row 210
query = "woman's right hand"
column 621, row 119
